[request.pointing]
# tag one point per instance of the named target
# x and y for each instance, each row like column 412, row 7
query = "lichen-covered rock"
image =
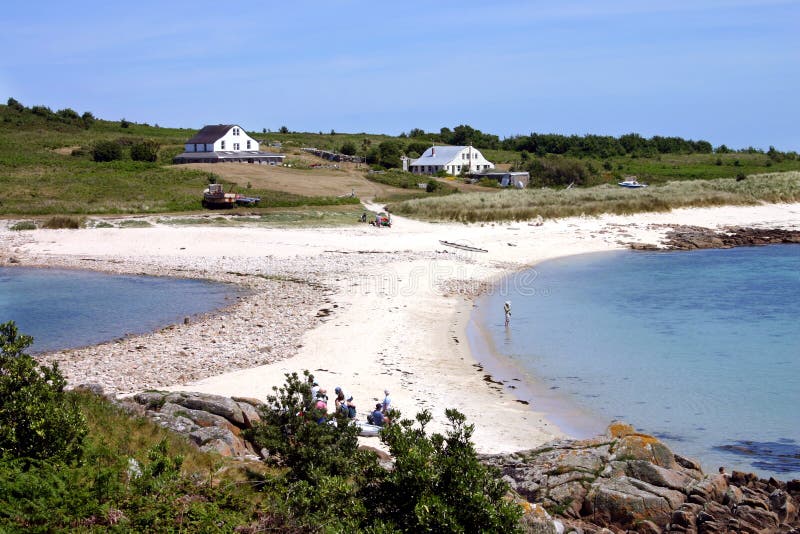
column 215, row 404
column 152, row 400
column 628, row 481
column 199, row 417
column 219, row 440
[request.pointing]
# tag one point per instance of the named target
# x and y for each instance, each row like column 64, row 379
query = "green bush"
column 145, row 151
column 23, row 225
column 437, row 484
column 106, row 151
column 37, row 421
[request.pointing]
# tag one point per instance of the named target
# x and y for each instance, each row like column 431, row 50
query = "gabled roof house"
column 225, row 143
column 450, row 159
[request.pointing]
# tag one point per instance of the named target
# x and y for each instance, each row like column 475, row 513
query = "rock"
column 215, row 404
column 199, row 417
column 782, row 504
column 620, row 502
column 249, row 413
column 176, row 423
column 659, row 476
column 219, row 440
column 152, row 400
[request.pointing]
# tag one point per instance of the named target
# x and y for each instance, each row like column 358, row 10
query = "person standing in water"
column 507, row 309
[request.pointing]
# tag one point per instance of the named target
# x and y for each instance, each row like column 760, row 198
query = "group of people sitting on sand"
column 345, row 406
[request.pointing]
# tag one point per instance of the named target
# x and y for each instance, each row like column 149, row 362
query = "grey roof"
column 438, row 155
column 209, row 134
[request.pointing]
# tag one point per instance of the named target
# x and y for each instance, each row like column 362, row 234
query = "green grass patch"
column 23, row 225
column 519, row 205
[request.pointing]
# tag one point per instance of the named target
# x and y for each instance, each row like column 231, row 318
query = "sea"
column 699, row 348
column 64, row 308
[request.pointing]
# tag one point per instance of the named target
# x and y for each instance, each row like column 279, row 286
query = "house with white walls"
column 225, row 143
column 453, row 160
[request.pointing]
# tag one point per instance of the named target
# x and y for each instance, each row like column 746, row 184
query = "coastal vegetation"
column 77, row 461
column 515, row 205
column 69, row 163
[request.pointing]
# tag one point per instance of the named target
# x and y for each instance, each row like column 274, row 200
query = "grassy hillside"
column 46, row 168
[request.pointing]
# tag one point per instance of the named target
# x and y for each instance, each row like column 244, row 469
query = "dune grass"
column 515, row 205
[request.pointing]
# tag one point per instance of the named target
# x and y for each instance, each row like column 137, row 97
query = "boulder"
column 249, row 413
column 620, row 502
column 199, row 417
column 152, row 400
column 219, row 440
column 215, row 404
column 659, row 476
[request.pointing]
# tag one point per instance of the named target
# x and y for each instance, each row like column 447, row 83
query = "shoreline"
column 388, row 308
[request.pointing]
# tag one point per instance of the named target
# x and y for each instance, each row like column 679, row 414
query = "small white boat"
column 631, row 184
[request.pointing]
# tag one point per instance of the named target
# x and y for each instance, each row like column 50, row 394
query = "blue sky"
column 727, row 71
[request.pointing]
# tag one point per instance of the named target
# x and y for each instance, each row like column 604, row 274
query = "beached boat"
column 215, row 197
column 631, row 183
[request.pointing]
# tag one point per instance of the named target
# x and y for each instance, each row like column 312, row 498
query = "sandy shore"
column 360, row 307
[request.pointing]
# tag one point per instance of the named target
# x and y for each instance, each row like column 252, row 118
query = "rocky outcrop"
column 212, row 422
column 628, row 481
column 696, row 237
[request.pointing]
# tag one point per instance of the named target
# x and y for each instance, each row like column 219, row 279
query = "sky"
column 727, row 71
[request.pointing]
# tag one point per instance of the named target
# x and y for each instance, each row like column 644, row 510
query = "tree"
column 416, row 132
column 106, row 151
column 87, row 118
column 348, row 148
column 124, row 123
column 37, row 420
column 284, row 130
column 389, row 153
column 15, row 104
column 145, row 151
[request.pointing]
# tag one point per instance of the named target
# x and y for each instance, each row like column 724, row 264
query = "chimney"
column 433, row 151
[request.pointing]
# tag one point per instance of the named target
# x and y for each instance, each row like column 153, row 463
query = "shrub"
column 438, row 484
column 431, row 186
column 23, row 225
column 58, row 222
column 106, row 151
column 348, row 148
column 37, row 421
column 145, row 151
column 124, row 123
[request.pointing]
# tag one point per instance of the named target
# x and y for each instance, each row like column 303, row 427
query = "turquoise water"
column 699, row 348
column 64, row 308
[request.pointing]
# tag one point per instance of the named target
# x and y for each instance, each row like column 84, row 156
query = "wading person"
column 507, row 310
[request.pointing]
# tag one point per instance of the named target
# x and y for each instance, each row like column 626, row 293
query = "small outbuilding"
column 518, row 179
column 224, row 143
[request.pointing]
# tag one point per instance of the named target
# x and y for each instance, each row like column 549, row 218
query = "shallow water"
column 64, row 308
column 699, row 348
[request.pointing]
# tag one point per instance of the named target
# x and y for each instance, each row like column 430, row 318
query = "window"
column 236, row 131
column 222, row 144
column 236, row 146
column 248, row 145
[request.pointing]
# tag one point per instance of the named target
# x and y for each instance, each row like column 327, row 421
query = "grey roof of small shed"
column 210, row 134
column 438, row 155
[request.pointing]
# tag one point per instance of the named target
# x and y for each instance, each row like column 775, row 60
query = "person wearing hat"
column 314, row 390
column 507, row 310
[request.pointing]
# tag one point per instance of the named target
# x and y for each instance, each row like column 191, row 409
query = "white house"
column 450, row 159
column 224, row 143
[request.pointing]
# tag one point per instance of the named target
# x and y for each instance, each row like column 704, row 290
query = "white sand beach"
column 395, row 304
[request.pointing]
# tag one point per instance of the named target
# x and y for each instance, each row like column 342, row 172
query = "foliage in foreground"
column 437, row 484
column 37, row 420
column 105, row 470
column 518, row 205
